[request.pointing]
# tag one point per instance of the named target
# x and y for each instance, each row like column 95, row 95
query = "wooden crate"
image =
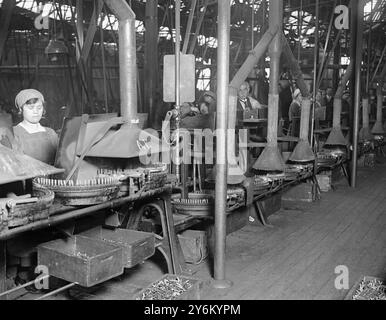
column 271, row 205
column 137, row 245
column 304, row 192
column 194, row 245
column 325, row 181
column 81, row 260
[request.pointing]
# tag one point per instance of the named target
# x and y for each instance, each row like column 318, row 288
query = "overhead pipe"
column 129, row 137
column 295, row 68
column 336, row 137
column 316, row 61
column 358, row 68
column 352, row 50
column 303, row 151
column 364, row 133
column 224, row 13
column 271, row 158
column 235, row 172
column 151, row 60
column 379, row 64
column 127, row 57
column 378, row 126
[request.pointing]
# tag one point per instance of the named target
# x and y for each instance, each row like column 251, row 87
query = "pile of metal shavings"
column 235, row 197
column 83, row 256
column 370, row 290
column 262, row 181
column 166, row 289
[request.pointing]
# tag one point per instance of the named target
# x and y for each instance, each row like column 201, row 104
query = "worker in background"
column 245, row 102
column 346, row 107
column 211, row 99
column 285, row 100
column 329, row 106
column 294, row 113
column 31, row 137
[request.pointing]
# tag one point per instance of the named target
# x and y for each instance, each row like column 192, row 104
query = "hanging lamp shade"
column 15, row 166
column 56, row 48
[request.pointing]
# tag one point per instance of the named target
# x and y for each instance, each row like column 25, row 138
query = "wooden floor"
column 296, row 259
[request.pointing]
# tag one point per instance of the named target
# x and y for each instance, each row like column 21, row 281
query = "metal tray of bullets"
column 132, row 181
column 22, row 214
column 81, row 260
column 172, row 287
column 81, row 193
column 261, row 183
column 197, row 204
column 291, row 173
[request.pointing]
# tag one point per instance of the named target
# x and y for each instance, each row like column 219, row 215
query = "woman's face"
column 204, row 108
column 33, row 113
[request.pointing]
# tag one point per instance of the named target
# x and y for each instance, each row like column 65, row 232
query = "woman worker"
column 31, row 137
column 38, row 142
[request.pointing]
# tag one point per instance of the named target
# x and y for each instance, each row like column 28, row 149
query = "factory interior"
column 192, row 150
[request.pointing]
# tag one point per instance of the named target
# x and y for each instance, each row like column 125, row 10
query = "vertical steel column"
column 222, row 147
column 151, row 60
column 178, row 81
column 358, row 65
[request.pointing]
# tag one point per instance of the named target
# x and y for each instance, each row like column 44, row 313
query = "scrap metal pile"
column 331, row 157
column 372, row 289
column 166, row 289
column 270, row 181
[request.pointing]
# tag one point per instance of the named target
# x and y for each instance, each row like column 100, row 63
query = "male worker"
column 329, row 106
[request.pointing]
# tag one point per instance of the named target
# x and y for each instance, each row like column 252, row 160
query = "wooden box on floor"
column 270, row 205
column 81, row 260
column 325, row 181
column 194, row 244
column 328, row 179
column 304, row 192
column 137, row 245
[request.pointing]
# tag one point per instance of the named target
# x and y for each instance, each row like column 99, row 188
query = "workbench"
column 279, row 188
column 58, row 214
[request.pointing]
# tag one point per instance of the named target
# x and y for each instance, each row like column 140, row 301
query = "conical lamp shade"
column 303, row 152
column 336, row 138
column 378, row 128
column 15, row 166
column 56, row 47
column 365, row 135
column 127, row 142
column 270, row 160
